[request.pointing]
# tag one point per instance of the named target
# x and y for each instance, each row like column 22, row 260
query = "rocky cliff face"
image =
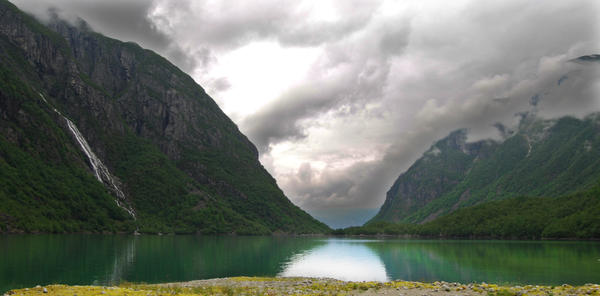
column 183, row 165
column 440, row 169
column 541, row 158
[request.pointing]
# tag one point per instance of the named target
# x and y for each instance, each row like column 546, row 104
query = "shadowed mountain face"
column 101, row 135
column 440, row 169
column 541, row 158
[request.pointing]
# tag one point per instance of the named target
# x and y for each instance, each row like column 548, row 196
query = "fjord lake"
column 29, row 260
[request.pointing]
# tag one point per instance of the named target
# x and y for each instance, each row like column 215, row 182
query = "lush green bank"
column 309, row 286
column 575, row 216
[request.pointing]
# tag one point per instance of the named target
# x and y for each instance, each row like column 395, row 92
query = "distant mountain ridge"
column 542, row 158
column 180, row 163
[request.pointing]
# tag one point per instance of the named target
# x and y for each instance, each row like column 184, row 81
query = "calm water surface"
column 29, row 260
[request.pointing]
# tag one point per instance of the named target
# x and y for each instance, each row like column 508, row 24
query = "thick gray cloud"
column 351, row 72
column 124, row 20
column 231, row 23
column 389, row 78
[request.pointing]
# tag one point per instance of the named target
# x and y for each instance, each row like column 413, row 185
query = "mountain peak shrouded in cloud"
column 588, row 58
column 351, row 93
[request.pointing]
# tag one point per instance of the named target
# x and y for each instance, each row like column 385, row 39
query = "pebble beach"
column 305, row 286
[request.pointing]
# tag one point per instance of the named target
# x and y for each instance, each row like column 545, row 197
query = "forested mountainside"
column 102, row 135
column 573, row 216
column 547, row 158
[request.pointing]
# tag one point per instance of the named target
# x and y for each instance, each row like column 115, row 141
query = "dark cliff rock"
column 182, row 163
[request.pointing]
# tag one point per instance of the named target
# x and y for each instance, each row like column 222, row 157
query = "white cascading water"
column 100, row 170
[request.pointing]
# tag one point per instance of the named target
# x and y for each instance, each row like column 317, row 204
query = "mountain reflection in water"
column 29, row 260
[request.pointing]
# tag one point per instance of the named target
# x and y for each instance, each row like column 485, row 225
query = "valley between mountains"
column 103, row 136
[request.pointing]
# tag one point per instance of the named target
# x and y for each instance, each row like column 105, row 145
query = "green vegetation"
column 41, row 188
column 307, row 286
column 167, row 199
column 36, row 196
column 575, row 216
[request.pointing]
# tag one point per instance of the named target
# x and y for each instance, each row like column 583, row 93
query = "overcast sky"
column 342, row 96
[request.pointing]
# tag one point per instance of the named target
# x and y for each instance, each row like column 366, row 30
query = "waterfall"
column 100, row 170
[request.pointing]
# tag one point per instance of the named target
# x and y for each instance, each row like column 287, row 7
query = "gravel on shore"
column 306, row 286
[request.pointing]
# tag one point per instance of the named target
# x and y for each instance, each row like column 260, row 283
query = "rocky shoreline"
column 306, row 286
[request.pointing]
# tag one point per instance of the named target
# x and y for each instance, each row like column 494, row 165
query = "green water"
column 29, row 260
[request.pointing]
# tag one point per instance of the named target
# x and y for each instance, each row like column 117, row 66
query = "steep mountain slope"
column 573, row 216
column 169, row 159
column 440, row 169
column 542, row 158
